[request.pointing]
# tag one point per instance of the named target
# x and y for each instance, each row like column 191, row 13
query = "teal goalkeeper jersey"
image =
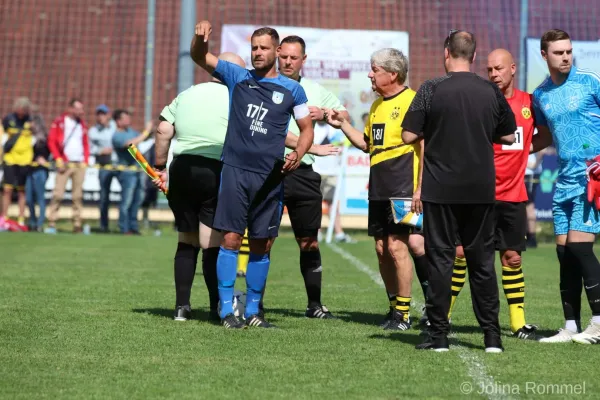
column 200, row 115
column 317, row 96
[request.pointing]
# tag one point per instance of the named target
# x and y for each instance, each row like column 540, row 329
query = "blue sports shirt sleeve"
column 230, row 74
column 540, row 119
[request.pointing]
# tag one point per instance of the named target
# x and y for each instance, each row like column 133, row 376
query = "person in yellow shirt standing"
column 17, row 156
column 395, row 172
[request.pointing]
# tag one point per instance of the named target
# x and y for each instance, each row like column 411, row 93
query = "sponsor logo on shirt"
column 526, row 112
column 277, row 97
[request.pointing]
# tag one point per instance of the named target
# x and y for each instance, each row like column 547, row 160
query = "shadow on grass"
column 346, row 316
column 414, row 340
column 197, row 314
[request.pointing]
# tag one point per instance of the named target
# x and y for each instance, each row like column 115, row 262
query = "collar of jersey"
column 396, row 95
column 262, row 78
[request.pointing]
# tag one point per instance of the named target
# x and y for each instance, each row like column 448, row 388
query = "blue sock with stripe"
column 256, row 278
column 226, row 274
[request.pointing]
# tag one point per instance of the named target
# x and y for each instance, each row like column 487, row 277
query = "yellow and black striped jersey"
column 394, row 164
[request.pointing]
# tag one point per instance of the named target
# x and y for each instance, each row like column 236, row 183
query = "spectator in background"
column 532, row 179
column 35, row 186
column 132, row 192
column 101, row 148
column 18, row 154
column 69, row 146
column 365, row 120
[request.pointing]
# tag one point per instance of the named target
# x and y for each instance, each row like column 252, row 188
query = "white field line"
column 475, row 366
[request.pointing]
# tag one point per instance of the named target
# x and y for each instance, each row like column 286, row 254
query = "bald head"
column 501, row 70
column 232, row 58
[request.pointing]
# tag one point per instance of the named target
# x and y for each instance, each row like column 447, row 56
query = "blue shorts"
column 575, row 214
column 250, row 199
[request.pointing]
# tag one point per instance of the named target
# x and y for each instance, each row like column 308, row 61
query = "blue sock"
column 226, row 274
column 256, row 278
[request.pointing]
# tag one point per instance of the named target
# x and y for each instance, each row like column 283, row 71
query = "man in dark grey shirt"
column 460, row 116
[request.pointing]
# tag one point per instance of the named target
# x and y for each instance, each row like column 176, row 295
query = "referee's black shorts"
column 193, row 189
column 303, row 199
column 510, row 221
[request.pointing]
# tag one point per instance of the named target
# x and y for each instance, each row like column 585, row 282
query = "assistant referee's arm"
column 162, row 142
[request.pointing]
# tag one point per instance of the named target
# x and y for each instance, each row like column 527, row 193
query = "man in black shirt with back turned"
column 460, row 116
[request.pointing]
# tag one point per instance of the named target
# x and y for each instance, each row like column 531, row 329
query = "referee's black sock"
column 421, row 270
column 312, row 272
column 185, row 269
column 209, row 270
column 589, row 266
column 570, row 283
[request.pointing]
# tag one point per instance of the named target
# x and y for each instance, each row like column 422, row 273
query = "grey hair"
column 391, row 60
column 22, row 102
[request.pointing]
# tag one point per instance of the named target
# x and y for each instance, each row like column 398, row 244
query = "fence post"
column 185, row 72
column 149, row 75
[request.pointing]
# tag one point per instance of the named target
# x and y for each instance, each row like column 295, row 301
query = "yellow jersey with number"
column 394, row 164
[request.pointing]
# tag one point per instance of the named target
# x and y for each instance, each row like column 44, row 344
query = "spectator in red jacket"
column 68, row 143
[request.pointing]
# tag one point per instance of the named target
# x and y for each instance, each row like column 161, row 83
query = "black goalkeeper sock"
column 185, row 269
column 421, row 270
column 589, row 266
column 571, row 283
column 312, row 271
column 209, row 270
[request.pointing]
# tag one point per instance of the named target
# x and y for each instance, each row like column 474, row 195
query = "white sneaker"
column 563, row 336
column 591, row 335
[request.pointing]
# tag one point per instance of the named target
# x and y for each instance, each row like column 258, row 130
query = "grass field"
column 89, row 317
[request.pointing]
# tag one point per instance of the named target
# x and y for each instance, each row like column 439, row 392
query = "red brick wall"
column 52, row 50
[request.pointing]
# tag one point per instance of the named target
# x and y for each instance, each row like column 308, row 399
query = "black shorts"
column 510, row 225
column 303, row 199
column 531, row 183
column 15, row 176
column 193, row 188
column 381, row 220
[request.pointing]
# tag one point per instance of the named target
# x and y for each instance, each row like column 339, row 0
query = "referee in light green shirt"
column 197, row 119
column 302, row 191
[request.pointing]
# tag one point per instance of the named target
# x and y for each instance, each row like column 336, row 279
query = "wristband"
column 160, row 167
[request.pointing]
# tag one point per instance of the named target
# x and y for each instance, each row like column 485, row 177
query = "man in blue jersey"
column 251, row 192
column 567, row 111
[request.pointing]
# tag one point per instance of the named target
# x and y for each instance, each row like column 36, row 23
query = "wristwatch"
column 160, row 167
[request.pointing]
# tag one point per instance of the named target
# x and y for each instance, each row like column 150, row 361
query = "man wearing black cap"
column 101, row 148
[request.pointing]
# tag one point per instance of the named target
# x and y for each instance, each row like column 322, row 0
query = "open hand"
column 323, row 150
column 334, row 118
column 316, row 113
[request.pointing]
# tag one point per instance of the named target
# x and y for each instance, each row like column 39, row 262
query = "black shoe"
column 213, row 315
column 527, row 332
column 436, row 344
column 182, row 313
column 387, row 318
column 493, row 344
column 319, row 311
column 531, row 242
column 398, row 322
column 231, row 322
column 258, row 321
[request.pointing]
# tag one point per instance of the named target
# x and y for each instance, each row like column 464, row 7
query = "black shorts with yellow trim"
column 15, row 176
column 381, row 220
column 510, row 225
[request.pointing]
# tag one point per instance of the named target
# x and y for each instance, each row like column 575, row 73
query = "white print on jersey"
column 257, row 113
column 518, row 144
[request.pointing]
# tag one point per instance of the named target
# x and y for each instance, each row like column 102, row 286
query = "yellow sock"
column 513, row 284
column 21, row 220
column 243, row 255
column 459, row 276
column 403, row 305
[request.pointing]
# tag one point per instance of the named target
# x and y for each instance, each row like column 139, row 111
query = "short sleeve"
column 300, row 103
column 169, row 112
column 540, row 118
column 416, row 116
column 507, row 123
column 229, row 73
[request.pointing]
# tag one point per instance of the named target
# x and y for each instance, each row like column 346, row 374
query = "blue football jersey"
column 572, row 113
column 259, row 115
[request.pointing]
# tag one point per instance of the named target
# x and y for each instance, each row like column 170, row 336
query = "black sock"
column 310, row 266
column 570, row 283
column 185, row 269
column 209, row 270
column 589, row 266
column 421, row 270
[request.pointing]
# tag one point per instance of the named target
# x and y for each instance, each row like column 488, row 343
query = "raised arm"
column 337, row 120
column 199, row 48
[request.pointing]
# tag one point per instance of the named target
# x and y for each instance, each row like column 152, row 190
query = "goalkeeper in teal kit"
column 567, row 111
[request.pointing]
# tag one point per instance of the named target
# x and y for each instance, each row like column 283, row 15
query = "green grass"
column 89, row 317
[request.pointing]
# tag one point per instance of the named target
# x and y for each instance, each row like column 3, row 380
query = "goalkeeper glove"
column 593, row 177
